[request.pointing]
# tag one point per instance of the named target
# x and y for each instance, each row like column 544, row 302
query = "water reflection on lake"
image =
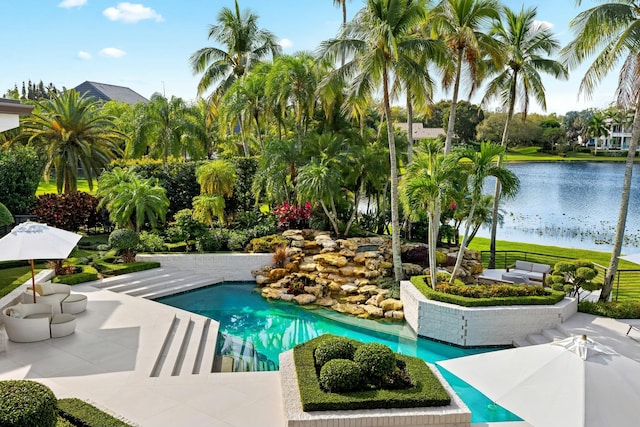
column 570, row 204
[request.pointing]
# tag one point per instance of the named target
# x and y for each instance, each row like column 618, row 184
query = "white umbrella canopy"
column 573, row 382
column 634, row 258
column 32, row 240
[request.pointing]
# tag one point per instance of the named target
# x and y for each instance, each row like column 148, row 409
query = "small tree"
column 5, row 216
column 125, row 240
column 573, row 277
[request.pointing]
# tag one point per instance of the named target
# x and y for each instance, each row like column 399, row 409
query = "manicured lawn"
column 10, row 278
column 50, row 187
column 629, row 283
column 531, row 154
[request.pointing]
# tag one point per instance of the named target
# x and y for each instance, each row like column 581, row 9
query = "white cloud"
column 131, row 13
column 84, row 55
column 72, row 3
column 285, row 43
column 112, row 52
column 543, row 24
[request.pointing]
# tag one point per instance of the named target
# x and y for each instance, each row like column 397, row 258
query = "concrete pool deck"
column 108, row 361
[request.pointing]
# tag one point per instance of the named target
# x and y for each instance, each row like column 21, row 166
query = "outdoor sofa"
column 531, row 270
column 59, row 296
column 36, row 322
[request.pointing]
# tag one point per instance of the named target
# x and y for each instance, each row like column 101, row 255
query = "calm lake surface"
column 569, row 204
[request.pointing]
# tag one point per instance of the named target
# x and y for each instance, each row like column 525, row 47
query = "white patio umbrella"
column 634, row 258
column 573, row 382
column 32, row 240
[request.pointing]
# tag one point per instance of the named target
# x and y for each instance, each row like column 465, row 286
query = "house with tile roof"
column 106, row 92
column 421, row 132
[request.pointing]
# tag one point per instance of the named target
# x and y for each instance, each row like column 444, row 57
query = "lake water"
column 569, row 204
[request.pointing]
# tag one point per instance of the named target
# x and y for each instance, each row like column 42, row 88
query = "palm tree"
column 318, row 181
column 376, row 47
column 526, row 45
column 134, row 201
column 343, row 5
column 75, row 133
column 206, row 207
column 168, row 128
column 597, row 127
column 612, row 32
column 460, row 23
column 481, row 165
column 216, row 178
column 246, row 45
column 426, row 185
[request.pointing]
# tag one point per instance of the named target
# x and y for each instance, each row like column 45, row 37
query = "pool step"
column 188, row 348
column 156, row 283
column 546, row 336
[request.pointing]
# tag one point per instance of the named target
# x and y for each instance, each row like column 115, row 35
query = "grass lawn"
column 629, row 283
column 531, row 154
column 13, row 277
column 50, row 187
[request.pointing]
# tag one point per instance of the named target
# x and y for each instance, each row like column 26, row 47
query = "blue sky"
column 146, row 46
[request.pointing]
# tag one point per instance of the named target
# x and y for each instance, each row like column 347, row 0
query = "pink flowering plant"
column 292, row 216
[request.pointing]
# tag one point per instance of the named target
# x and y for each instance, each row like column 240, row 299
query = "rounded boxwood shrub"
column 26, row 403
column 376, row 361
column 334, row 348
column 340, row 375
column 5, row 216
column 124, row 240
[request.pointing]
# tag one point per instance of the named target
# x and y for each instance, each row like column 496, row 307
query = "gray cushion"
column 540, row 268
column 524, row 265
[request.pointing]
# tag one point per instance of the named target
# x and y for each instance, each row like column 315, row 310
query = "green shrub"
column 267, row 244
column 212, row 241
column 426, row 391
column 376, row 361
column 551, row 297
column 120, row 269
column 26, row 403
column 335, row 348
column 237, row 240
column 124, row 240
column 151, row 242
column 88, row 274
column 69, row 211
column 338, row 375
column 86, row 415
column 20, row 173
column 5, row 216
column 626, row 309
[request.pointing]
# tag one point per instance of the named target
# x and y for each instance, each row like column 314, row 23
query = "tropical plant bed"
column 487, row 295
column 90, row 273
column 424, row 389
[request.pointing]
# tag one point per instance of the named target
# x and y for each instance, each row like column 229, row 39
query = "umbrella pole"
column 33, row 281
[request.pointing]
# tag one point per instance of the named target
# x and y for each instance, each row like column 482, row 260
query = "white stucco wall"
column 229, row 267
column 479, row 326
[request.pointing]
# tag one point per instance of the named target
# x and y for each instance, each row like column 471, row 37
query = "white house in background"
column 10, row 110
column 618, row 138
column 421, row 132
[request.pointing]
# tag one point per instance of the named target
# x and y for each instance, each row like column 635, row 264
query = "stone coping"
column 457, row 414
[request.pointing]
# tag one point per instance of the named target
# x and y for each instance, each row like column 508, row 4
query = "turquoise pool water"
column 276, row 326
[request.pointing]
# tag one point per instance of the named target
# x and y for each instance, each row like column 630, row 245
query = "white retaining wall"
column 479, row 326
column 229, row 267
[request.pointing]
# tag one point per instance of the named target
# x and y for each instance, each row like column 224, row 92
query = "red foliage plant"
column 71, row 211
column 292, row 216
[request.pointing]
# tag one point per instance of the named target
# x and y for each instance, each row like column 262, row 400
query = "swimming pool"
column 271, row 327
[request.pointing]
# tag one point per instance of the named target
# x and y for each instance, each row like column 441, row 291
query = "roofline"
column 10, row 106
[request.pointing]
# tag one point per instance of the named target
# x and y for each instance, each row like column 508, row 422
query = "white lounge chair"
column 35, row 322
column 59, row 296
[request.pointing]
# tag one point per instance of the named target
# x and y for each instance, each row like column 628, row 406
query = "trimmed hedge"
column 25, row 403
column 428, row 390
column 552, row 297
column 337, row 348
column 119, row 269
column 82, row 414
column 88, row 274
column 340, row 375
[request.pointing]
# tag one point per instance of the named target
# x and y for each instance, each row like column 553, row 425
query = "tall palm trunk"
column 624, row 207
column 496, row 194
column 395, row 220
column 432, row 239
column 245, row 145
column 465, row 241
column 454, row 102
column 409, row 127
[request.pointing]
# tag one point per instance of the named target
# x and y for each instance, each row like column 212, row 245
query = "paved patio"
column 109, row 359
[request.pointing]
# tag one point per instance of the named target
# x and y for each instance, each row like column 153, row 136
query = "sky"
column 146, row 46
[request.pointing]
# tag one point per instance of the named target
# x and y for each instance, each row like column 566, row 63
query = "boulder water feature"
column 349, row 275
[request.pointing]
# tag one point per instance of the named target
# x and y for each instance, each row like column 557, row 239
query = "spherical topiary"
column 334, row 348
column 26, row 403
column 340, row 375
column 5, row 216
column 376, row 361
